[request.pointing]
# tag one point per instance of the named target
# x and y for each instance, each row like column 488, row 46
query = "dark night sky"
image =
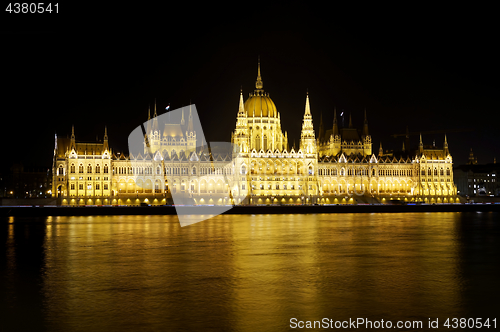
column 428, row 69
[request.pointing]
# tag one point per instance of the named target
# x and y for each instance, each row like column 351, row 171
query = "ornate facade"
column 337, row 167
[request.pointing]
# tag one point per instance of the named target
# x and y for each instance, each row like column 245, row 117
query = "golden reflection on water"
column 247, row 272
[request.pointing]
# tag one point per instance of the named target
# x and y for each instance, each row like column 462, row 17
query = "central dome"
column 260, row 105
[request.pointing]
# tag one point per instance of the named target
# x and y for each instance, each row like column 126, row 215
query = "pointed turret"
column 307, row 139
column 350, row 120
column 183, row 122
column 242, row 134
column 380, row 150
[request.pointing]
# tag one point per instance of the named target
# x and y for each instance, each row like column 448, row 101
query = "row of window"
column 89, row 186
column 364, row 172
column 171, row 170
column 277, row 186
column 72, row 169
column 441, row 172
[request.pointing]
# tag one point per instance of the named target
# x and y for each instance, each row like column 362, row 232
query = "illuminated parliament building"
column 338, row 166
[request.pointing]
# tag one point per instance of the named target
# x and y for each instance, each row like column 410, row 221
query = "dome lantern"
column 259, row 104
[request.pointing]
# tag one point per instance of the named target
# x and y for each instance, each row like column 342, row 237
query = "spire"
column 183, row 122
column 72, row 145
column 420, row 145
column 258, row 84
column 403, row 146
column 445, row 146
column 472, row 160
column 307, row 137
column 105, row 138
column 308, row 108
column 365, row 126
column 335, row 130
column 148, row 129
column 350, row 120
column 380, row 150
column 241, row 109
column 321, row 128
column 190, row 121
column 155, row 120
column 407, row 138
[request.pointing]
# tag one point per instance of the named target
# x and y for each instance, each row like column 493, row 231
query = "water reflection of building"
column 336, row 167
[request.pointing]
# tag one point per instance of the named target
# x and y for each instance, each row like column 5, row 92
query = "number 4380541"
column 470, row 323
column 32, row 8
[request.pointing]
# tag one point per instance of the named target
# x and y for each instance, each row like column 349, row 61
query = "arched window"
column 106, row 169
column 257, row 143
column 72, row 168
column 441, row 171
column 448, row 171
column 89, row 169
column 429, row 171
column 80, row 168
column 374, row 173
column 98, row 169
column 435, row 171
column 158, row 170
column 342, row 171
column 310, row 170
column 243, row 169
column 60, row 171
column 193, row 170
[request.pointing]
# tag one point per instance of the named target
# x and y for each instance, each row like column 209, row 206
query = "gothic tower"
column 307, row 140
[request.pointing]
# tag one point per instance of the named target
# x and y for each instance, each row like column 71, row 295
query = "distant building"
column 337, row 167
column 28, row 183
column 473, row 179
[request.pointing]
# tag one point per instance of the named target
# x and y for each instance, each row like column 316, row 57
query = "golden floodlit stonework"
column 336, row 167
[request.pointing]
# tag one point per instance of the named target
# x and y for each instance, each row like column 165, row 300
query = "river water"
column 247, row 272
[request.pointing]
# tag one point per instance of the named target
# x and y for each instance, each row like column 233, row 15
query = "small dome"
column 261, row 104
